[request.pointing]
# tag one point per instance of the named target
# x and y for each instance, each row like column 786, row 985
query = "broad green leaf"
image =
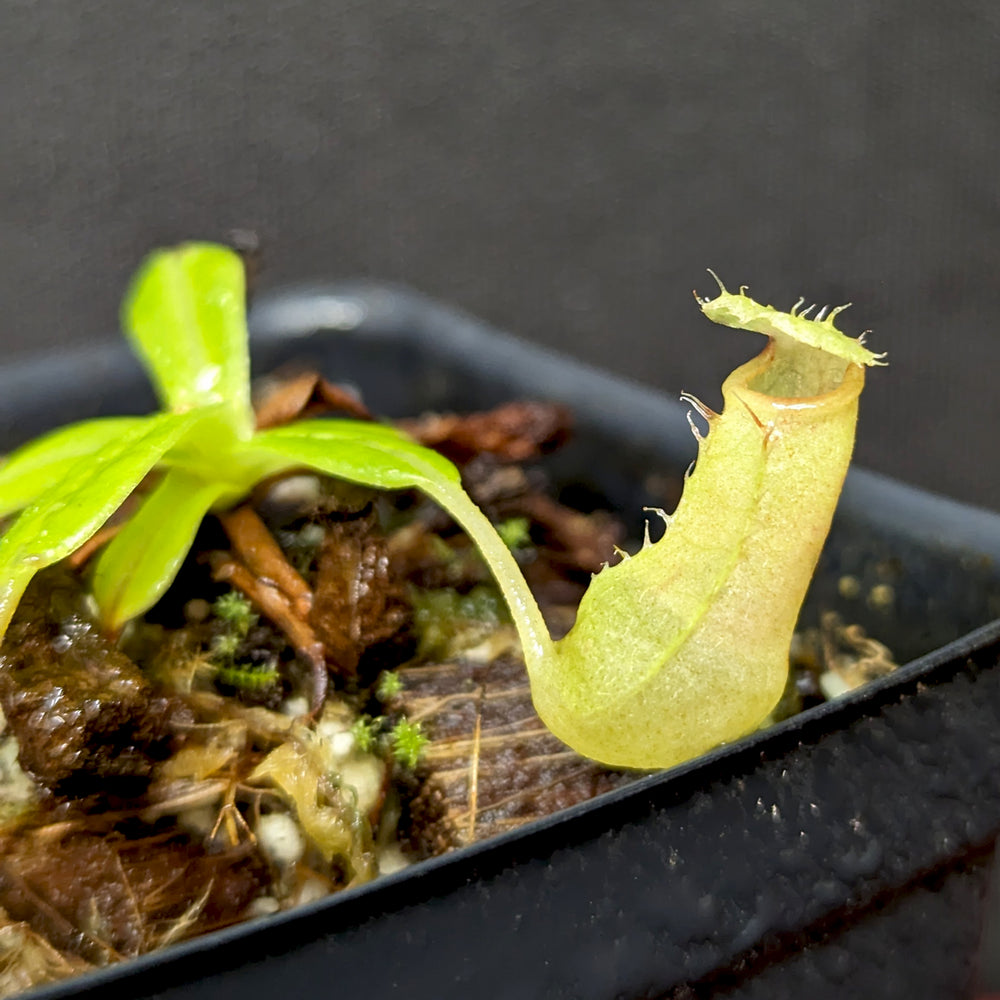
column 91, row 490
column 372, row 454
column 141, row 561
column 185, row 316
column 40, row 464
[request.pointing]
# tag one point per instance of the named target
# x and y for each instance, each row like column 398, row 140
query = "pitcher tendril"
column 676, row 649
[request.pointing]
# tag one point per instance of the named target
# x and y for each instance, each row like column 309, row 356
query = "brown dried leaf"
column 358, row 602
column 306, row 394
column 492, row 484
column 513, row 432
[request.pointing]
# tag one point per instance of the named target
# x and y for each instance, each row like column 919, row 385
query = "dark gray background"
column 566, row 171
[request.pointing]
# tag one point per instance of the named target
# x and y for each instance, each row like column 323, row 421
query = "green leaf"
column 371, row 454
column 142, row 560
column 40, row 464
column 185, row 316
column 91, row 490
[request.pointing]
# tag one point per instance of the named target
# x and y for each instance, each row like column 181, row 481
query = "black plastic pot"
column 843, row 853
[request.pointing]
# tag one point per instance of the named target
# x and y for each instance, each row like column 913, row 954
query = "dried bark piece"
column 106, row 898
column 358, row 601
column 425, row 829
column 513, row 432
column 74, row 893
column 307, row 394
column 490, row 759
column 179, row 883
column 81, row 711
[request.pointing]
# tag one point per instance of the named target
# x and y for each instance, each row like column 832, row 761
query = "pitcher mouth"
column 744, row 381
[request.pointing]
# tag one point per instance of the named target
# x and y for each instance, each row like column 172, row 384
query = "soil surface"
column 332, row 689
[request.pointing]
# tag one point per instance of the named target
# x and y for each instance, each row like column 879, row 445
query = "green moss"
column 446, row 622
column 408, row 742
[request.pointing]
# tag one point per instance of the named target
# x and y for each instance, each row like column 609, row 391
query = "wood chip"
column 490, row 759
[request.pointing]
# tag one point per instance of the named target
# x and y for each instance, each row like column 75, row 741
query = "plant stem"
column 536, row 642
